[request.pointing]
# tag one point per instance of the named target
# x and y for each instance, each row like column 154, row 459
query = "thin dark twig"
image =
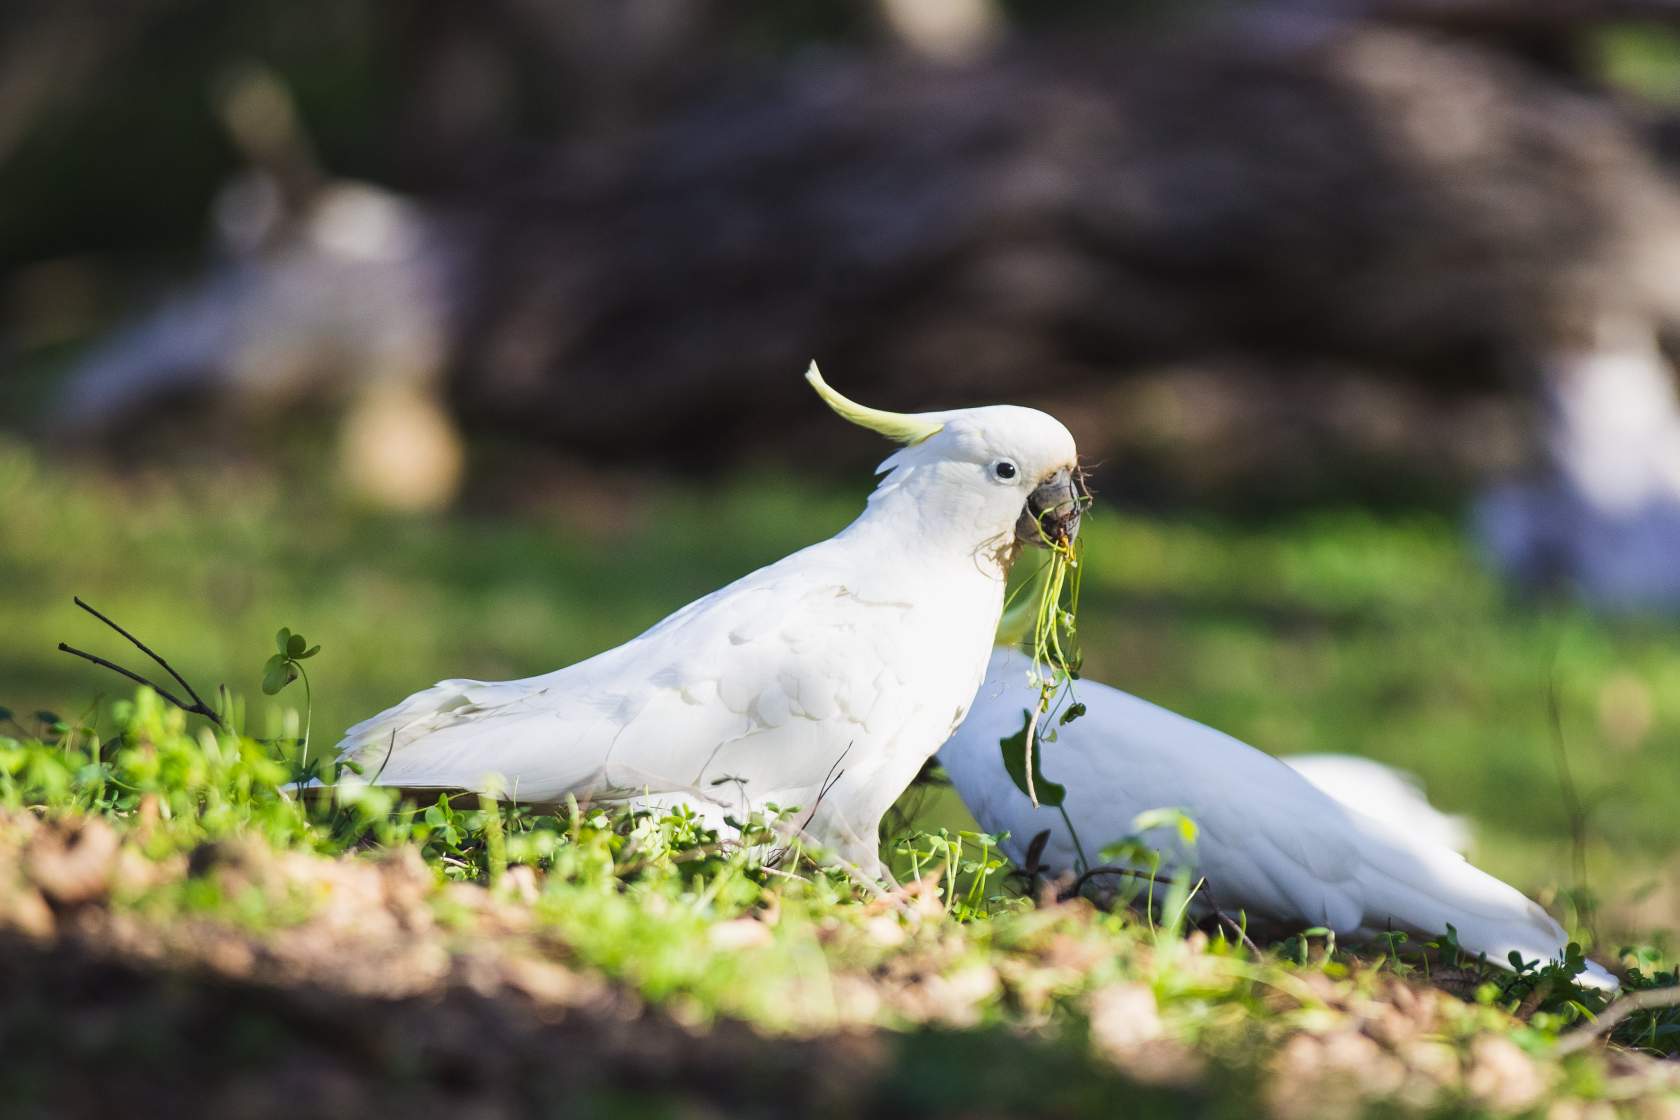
column 829, row 782
column 1607, row 1020
column 1234, row 925
column 131, row 675
column 1079, row 883
column 147, row 650
column 389, row 751
column 197, row 707
column 776, row 855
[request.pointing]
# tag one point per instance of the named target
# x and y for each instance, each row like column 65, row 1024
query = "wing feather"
column 731, row 684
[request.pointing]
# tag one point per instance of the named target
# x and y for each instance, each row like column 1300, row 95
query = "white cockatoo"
column 823, row 681
column 1268, row 842
column 1392, row 796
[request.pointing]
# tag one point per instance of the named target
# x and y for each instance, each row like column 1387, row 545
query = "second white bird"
column 1270, row 844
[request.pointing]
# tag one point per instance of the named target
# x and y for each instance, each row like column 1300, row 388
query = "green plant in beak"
column 1045, row 620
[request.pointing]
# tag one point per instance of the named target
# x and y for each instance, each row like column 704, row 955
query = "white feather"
column 1269, row 842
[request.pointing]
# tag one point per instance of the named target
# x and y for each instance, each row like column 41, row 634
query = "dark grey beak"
column 1051, row 515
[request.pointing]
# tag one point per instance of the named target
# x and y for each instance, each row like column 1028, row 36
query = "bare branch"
column 1129, row 872
column 133, row 676
column 145, row 649
column 1229, row 922
column 196, row 707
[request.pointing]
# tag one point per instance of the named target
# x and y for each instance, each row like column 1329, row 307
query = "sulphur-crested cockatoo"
column 1268, row 842
column 823, row 682
column 1392, row 796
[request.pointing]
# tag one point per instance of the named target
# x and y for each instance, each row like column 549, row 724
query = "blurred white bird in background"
column 824, row 681
column 1269, row 843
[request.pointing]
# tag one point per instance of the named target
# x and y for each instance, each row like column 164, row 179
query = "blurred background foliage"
column 609, row 231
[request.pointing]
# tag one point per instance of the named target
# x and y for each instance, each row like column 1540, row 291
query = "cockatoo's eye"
column 1004, row 470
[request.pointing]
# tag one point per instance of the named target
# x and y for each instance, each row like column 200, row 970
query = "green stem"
column 308, row 714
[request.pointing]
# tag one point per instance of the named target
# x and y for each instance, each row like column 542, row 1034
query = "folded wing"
column 744, row 696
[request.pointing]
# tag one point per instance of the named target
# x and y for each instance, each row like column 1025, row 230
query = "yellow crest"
column 905, row 427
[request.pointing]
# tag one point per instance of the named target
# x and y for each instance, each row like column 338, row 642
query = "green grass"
column 1330, row 631
column 209, row 864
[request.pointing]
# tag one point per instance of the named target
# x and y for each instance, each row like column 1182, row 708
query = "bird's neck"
column 920, row 515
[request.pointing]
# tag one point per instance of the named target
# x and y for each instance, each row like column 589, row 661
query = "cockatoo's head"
column 1003, row 470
